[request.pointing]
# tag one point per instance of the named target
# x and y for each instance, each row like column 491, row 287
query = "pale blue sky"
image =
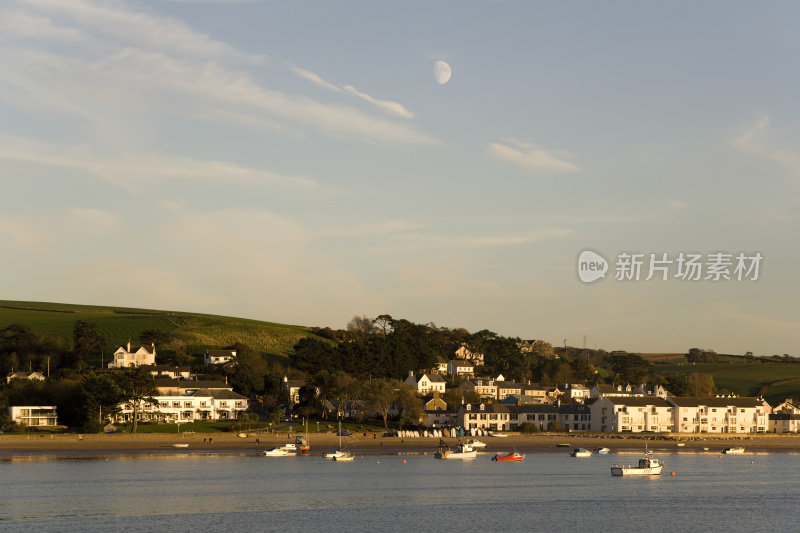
column 297, row 162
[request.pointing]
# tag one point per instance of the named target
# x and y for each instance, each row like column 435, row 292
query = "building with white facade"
column 427, row 384
column 720, row 414
column 785, row 418
column 218, row 357
column 33, row 415
column 133, row 356
column 199, row 404
column 635, row 414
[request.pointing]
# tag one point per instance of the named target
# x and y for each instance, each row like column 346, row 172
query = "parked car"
column 344, row 433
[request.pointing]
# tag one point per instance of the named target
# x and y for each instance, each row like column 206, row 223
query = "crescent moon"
column 442, row 72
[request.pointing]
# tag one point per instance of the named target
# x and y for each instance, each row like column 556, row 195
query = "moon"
column 442, row 72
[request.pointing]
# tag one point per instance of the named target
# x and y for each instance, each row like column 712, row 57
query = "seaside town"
column 450, row 394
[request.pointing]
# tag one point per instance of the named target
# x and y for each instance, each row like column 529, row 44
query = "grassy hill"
column 119, row 324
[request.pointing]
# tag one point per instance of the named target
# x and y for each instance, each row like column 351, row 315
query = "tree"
column 247, row 371
column 100, row 395
column 86, row 341
column 359, row 326
column 379, row 396
column 699, row 384
column 137, row 388
column 410, row 404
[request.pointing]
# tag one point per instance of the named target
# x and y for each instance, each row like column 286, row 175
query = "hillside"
column 119, row 324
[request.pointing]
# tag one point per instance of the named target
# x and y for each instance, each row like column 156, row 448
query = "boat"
column 462, row 451
column 180, row 445
column 562, row 445
column 475, row 443
column 301, row 444
column 275, row 452
column 601, row 451
column 495, row 434
column 339, row 455
column 733, row 451
column 344, row 456
column 513, row 456
column 289, row 447
column 580, row 452
column 647, row 466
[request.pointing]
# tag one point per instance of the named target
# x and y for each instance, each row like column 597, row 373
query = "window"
column 187, row 404
column 176, row 404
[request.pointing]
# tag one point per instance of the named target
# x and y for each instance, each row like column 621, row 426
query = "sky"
column 299, row 162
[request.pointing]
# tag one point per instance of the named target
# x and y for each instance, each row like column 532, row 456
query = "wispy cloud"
column 531, row 157
column 133, row 172
column 387, row 106
column 755, row 141
column 132, row 67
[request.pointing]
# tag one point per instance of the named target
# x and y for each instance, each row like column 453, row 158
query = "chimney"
column 129, row 346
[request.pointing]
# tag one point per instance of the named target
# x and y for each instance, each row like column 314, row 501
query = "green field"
column 119, row 324
column 775, row 381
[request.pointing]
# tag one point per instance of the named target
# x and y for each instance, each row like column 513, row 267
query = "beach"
column 253, row 443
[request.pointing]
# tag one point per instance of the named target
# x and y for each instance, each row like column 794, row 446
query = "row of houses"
column 621, row 414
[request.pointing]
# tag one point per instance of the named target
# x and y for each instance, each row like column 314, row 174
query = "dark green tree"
column 137, row 388
column 86, row 342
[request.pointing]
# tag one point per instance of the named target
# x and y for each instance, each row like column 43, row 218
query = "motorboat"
column 580, row 452
column 276, row 452
column 475, row 443
column 334, row 454
column 513, row 456
column 495, row 434
column 462, row 451
column 601, row 451
column 344, row 456
column 647, row 466
column 733, row 451
column 289, row 447
column 301, row 444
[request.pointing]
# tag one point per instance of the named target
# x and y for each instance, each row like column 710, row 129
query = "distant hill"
column 119, row 324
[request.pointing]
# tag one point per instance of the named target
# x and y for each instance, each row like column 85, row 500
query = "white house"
column 218, row 357
column 720, row 414
column 576, row 391
column 199, row 404
column 427, row 384
column 33, row 415
column 31, row 376
column 785, row 418
column 133, row 356
column 616, row 414
column 460, row 367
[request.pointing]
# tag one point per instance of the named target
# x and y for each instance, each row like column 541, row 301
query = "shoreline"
column 42, row 446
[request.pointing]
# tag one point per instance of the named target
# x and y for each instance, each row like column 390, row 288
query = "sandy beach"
column 101, row 445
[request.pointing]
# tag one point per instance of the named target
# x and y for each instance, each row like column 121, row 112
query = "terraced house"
column 720, row 414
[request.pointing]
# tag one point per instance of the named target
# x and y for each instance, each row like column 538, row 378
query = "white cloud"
column 531, row 158
column 754, row 141
column 387, row 106
column 134, row 68
column 133, row 172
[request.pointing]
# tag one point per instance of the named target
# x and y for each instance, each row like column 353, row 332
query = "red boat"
column 513, row 456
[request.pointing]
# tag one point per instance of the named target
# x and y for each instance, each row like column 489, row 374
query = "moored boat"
column 733, row 451
column 580, row 452
column 601, row 451
column 647, row 466
column 462, row 451
column 344, row 456
column 513, row 456
column 475, row 443
column 275, row 452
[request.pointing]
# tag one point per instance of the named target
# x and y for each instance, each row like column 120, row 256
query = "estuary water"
column 546, row 492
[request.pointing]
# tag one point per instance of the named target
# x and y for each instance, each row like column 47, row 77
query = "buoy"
column 404, row 461
column 672, row 473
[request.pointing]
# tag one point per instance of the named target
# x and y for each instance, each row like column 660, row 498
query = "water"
column 546, row 492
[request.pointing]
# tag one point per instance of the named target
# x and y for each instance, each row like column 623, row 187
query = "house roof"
column 218, row 394
column 221, row 353
column 639, row 401
column 433, row 378
column 682, row 401
column 191, row 383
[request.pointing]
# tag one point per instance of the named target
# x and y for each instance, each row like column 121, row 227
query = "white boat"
column 276, row 452
column 289, row 447
column 647, row 466
column 475, row 443
column 580, row 452
column 462, row 451
column 733, row 451
column 344, row 456
column 601, row 451
column 334, row 454
column 495, row 434
column 180, row 445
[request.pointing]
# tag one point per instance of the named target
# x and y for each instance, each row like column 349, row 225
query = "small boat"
column 334, row 454
column 242, row 435
column 275, row 452
column 301, row 444
column 580, row 452
column 475, row 443
column 647, row 466
column 681, row 444
column 180, row 445
column 495, row 434
column 462, row 451
column 601, row 451
column 289, row 447
column 733, row 451
column 562, row 445
column 344, row 456
column 513, row 456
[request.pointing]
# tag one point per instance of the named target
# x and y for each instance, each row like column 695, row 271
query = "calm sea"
column 546, row 492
